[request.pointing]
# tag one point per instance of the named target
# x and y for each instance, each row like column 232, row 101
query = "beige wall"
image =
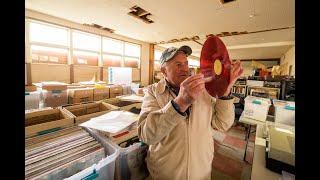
column 144, row 64
column 289, row 58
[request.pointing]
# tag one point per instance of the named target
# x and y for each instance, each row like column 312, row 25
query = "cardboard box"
column 123, row 105
column 37, row 122
column 101, row 93
column 126, row 89
column 75, row 86
column 80, row 95
column 115, row 90
column 84, row 112
column 256, row 108
column 30, row 88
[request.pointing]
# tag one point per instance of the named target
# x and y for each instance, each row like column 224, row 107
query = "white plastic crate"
column 32, row 100
column 284, row 112
column 105, row 169
column 129, row 164
column 256, row 108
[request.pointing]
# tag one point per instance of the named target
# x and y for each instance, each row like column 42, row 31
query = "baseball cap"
column 169, row 53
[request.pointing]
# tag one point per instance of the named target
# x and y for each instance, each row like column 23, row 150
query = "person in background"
column 177, row 119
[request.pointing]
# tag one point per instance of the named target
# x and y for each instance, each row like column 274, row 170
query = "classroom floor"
column 228, row 162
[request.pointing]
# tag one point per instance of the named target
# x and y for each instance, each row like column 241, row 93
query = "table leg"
column 247, row 141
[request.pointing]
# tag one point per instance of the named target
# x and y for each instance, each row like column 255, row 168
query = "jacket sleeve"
column 222, row 114
column 154, row 122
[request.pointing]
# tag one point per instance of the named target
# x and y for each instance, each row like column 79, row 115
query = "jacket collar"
column 161, row 87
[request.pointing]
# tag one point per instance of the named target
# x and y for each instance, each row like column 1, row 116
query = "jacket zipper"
column 188, row 126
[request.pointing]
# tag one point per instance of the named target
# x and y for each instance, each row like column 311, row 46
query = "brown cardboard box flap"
column 54, row 85
column 84, row 112
column 80, row 92
column 115, row 89
column 30, row 88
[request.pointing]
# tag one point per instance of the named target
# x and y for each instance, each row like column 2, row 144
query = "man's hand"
column 235, row 72
column 190, row 89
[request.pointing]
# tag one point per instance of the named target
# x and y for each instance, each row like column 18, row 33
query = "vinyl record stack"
column 61, row 154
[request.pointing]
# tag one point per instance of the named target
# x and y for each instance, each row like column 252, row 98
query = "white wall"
column 289, row 58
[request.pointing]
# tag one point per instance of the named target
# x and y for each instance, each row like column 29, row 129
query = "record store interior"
column 171, row 89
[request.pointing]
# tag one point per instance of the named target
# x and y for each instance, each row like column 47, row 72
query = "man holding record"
column 178, row 116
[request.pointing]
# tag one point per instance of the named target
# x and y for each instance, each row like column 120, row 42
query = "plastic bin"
column 54, row 98
column 256, row 108
column 284, row 112
column 32, row 100
column 130, row 162
column 105, row 169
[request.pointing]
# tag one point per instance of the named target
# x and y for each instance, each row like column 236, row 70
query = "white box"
column 255, row 83
column 256, row 108
column 284, row 112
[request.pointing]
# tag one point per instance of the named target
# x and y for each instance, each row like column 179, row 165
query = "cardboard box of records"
column 126, row 89
column 80, row 95
column 115, row 90
column 72, row 153
column 54, row 94
column 85, row 111
column 45, row 120
column 100, row 93
column 125, row 104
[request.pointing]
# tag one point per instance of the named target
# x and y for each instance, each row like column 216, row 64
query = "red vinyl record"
column 215, row 64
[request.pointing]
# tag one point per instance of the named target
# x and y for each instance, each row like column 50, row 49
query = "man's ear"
column 163, row 70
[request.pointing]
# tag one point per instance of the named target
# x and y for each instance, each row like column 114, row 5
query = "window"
column 132, row 55
column 112, row 60
column 117, row 53
column 42, row 54
column 132, row 50
column 112, row 46
column 131, row 62
column 85, row 58
column 48, row 34
column 85, row 41
column 48, row 43
column 112, row 52
column 86, row 48
column 157, row 55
